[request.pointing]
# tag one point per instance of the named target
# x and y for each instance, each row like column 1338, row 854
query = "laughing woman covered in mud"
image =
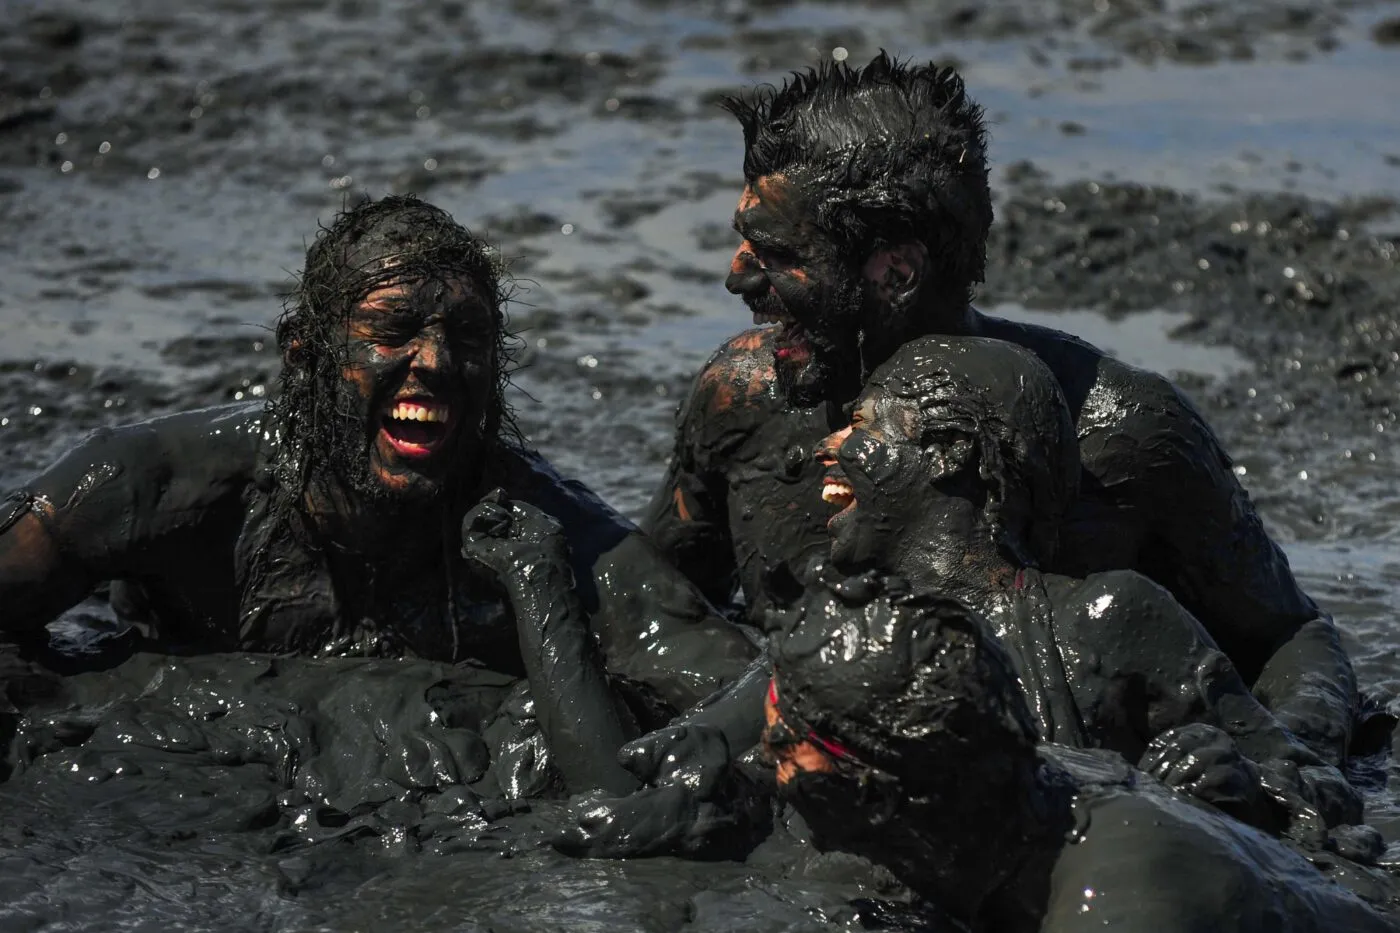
column 330, row 521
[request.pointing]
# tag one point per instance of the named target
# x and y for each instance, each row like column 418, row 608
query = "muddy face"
column 790, row 752
column 898, row 730
column 420, row 370
column 792, row 276
column 890, row 479
column 847, row 804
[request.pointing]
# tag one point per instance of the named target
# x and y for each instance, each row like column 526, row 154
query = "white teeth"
column 412, row 411
column 760, row 318
column 838, row 493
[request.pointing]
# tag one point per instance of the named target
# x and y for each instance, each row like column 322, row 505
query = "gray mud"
column 1209, row 189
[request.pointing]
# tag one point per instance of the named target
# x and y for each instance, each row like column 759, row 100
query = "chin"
column 853, row 549
column 803, row 384
column 404, row 486
column 819, row 377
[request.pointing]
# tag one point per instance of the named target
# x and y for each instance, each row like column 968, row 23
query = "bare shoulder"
column 206, row 449
column 1116, row 592
column 733, row 395
column 739, row 375
column 1105, row 394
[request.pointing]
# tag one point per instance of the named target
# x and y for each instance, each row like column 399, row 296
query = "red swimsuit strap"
column 831, row 746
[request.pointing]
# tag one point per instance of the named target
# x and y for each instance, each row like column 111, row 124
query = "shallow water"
column 167, row 167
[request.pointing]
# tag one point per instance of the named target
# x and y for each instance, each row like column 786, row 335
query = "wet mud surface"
column 1210, row 189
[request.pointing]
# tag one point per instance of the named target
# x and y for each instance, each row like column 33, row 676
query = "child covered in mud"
column 328, row 522
column 899, row 731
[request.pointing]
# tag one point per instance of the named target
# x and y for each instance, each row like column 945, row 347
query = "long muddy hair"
column 364, row 248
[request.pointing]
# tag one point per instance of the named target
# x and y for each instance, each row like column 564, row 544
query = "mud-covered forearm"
column 698, row 800
column 735, row 712
column 658, row 629
column 1234, row 578
column 573, row 699
column 1144, row 643
column 525, row 549
column 688, row 525
column 1310, row 687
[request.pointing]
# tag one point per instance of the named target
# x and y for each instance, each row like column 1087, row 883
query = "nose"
column 826, row 450
column 745, row 272
column 433, row 353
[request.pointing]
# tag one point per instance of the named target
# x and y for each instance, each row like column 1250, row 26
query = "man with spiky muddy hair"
column 864, row 219
column 331, row 520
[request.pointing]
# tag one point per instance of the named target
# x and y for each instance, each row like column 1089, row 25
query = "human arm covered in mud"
column 36, row 582
column 655, row 628
column 1150, row 682
column 1209, row 547
column 156, row 499
column 581, row 719
column 688, row 517
column 702, row 797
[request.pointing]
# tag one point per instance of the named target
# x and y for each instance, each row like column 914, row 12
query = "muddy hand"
column 1316, row 799
column 504, row 535
column 684, row 811
column 1203, row 762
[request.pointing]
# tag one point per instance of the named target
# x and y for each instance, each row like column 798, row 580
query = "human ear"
column 949, row 452
column 895, row 272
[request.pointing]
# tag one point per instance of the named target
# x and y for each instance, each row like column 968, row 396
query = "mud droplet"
column 794, row 459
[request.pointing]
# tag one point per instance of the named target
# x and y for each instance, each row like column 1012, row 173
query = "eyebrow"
column 765, row 240
column 387, row 302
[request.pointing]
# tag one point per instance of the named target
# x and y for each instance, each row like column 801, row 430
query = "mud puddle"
column 161, row 171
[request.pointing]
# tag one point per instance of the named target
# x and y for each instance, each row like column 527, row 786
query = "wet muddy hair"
column 892, row 152
column 366, row 247
column 914, row 684
column 1003, row 398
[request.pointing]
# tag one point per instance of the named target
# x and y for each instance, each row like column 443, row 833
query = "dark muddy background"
column 1205, row 188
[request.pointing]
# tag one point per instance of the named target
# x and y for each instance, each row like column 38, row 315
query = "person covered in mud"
column 864, row 221
column 899, row 731
column 330, row 521
column 955, row 474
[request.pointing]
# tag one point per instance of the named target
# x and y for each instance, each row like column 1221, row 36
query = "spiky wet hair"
column 365, row 247
column 897, row 152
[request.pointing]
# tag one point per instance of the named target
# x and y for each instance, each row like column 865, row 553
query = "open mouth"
column 416, row 427
column 792, row 340
column 836, row 491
